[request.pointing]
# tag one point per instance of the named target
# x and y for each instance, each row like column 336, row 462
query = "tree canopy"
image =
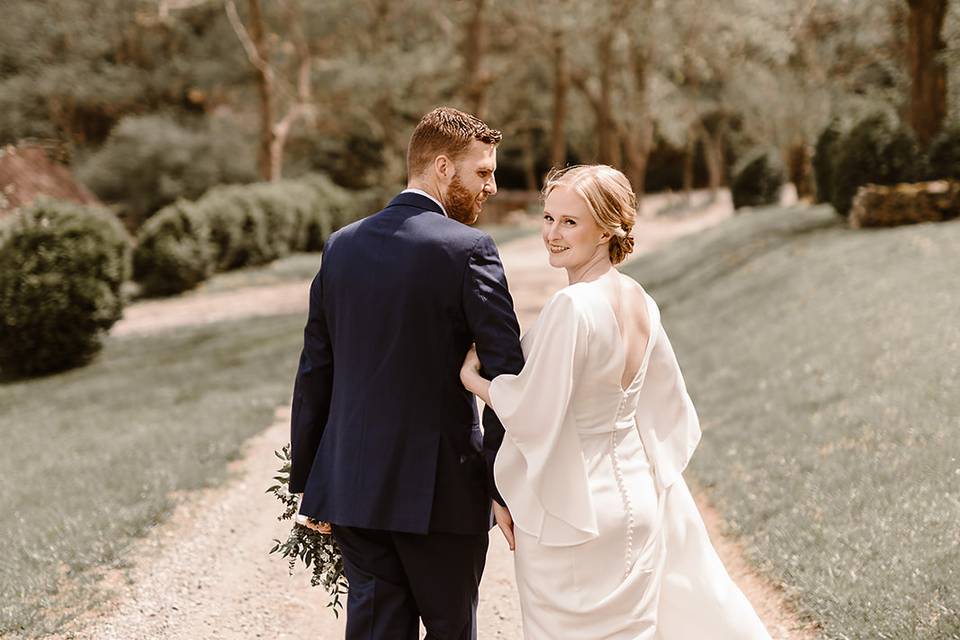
column 343, row 82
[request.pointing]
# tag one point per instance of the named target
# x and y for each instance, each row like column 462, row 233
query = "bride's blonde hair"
column 609, row 197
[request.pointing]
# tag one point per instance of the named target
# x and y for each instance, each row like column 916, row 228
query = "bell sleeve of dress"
column 539, row 469
column 666, row 418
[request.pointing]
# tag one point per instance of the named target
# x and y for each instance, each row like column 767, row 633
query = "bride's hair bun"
column 620, row 248
column 609, row 197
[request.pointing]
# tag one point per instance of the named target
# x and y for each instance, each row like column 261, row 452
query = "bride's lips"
column 555, row 250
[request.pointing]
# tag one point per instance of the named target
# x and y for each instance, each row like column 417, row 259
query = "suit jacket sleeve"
column 312, row 390
column 489, row 312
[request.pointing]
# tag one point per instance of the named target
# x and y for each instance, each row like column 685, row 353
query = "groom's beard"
column 461, row 205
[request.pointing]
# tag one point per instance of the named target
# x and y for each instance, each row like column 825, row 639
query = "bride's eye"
column 547, row 218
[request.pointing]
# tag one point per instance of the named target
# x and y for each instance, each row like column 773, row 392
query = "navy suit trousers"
column 398, row 579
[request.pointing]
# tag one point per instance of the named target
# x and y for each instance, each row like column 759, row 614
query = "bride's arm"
column 471, row 378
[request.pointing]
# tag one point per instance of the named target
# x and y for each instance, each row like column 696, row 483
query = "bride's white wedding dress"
column 610, row 544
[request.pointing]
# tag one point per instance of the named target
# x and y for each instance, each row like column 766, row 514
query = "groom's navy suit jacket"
column 383, row 434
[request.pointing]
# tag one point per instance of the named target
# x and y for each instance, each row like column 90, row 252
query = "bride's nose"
column 552, row 232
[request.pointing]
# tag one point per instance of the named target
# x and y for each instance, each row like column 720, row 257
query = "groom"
column 386, row 442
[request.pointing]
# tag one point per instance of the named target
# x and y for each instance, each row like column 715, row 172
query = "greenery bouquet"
column 309, row 541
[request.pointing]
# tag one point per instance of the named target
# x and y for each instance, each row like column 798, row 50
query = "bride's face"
column 570, row 233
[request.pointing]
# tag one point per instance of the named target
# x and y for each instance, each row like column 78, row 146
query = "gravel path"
column 205, row 572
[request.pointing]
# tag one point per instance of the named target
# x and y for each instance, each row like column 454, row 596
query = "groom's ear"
column 443, row 166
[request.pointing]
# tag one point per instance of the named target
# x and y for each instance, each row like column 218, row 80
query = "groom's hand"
column 505, row 521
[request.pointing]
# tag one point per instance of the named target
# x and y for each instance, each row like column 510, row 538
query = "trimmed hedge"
column 238, row 226
column 878, row 150
column 757, row 179
column 943, row 158
column 61, row 269
column 823, row 157
column 174, row 253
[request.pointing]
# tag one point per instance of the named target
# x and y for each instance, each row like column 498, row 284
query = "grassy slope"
column 824, row 364
column 90, row 456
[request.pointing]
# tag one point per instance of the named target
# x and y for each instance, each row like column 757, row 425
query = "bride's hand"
column 505, row 521
column 470, row 368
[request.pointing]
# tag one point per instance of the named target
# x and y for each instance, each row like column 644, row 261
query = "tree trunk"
column 637, row 144
column 800, row 170
column 715, row 156
column 639, row 140
column 637, row 149
column 529, row 161
column 608, row 149
column 637, row 169
column 561, row 84
column 928, row 90
column 689, row 157
column 264, row 90
column 475, row 45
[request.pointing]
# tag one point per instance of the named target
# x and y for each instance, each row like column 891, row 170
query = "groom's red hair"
column 445, row 131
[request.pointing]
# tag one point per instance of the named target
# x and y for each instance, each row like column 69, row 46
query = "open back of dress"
column 591, row 471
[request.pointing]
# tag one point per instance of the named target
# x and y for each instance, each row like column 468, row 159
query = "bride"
column 599, row 426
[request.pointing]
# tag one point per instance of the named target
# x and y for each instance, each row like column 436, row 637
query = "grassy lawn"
column 824, row 364
column 91, row 456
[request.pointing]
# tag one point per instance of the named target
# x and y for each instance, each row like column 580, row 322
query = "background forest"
column 152, row 100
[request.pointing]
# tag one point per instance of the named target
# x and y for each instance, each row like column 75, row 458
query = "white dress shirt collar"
column 424, row 193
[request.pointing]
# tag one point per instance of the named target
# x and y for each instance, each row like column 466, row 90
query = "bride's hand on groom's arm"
column 505, row 521
column 471, row 378
column 471, row 366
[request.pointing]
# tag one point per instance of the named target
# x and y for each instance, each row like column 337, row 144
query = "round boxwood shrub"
column 878, row 150
column 61, row 268
column 757, row 179
column 238, row 228
column 278, row 202
column 823, row 156
column 310, row 223
column 173, row 252
column 337, row 207
column 329, row 210
column 943, row 158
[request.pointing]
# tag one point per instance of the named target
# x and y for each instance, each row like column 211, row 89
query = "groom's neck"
column 424, row 186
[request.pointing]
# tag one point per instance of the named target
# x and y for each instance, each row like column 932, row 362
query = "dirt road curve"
column 190, row 585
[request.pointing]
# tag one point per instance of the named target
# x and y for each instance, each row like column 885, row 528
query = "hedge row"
column 757, row 179
column 878, row 150
column 61, row 269
column 239, row 226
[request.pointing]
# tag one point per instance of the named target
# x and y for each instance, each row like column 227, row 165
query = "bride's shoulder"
column 631, row 285
column 636, row 290
column 567, row 298
column 573, row 301
column 582, row 301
